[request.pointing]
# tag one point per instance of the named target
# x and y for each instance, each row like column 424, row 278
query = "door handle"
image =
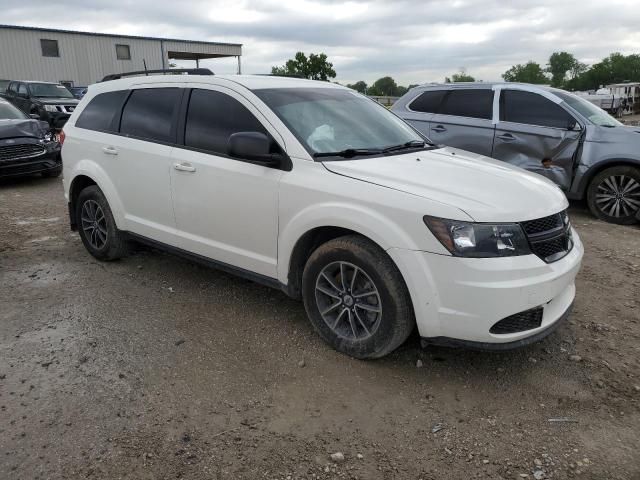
column 507, row 137
column 110, row 150
column 184, row 167
column 438, row 129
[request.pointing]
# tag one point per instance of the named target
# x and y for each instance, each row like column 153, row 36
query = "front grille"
column 549, row 237
column 20, row 151
column 519, row 322
column 542, row 224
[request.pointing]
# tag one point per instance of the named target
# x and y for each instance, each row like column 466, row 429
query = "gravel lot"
column 155, row 368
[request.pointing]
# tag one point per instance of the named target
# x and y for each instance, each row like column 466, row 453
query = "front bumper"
column 50, row 159
column 462, row 298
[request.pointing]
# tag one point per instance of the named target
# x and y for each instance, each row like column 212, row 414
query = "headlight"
column 47, row 137
column 479, row 240
column 50, row 108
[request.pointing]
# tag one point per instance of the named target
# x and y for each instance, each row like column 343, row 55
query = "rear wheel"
column 614, row 195
column 97, row 227
column 356, row 298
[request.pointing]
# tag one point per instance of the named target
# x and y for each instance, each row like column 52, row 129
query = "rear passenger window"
column 212, row 117
column 149, row 114
column 98, row 115
column 532, row 109
column 428, row 102
column 477, row 103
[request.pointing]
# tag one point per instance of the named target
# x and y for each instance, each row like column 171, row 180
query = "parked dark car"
column 52, row 102
column 27, row 145
column 78, row 92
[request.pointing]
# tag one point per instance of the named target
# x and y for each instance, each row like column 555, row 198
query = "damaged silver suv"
column 557, row 134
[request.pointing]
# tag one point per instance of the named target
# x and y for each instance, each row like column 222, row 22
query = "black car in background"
column 27, row 145
column 52, row 102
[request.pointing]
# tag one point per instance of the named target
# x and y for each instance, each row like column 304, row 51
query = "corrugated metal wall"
column 85, row 58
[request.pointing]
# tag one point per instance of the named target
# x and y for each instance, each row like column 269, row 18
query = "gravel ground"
column 155, row 368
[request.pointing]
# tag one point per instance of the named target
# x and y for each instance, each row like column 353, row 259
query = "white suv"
column 317, row 190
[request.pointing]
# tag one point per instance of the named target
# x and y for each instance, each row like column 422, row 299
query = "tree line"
column 563, row 70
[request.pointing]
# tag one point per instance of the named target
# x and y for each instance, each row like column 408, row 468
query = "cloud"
column 414, row 41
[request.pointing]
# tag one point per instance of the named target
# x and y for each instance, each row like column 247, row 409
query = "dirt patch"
column 156, row 368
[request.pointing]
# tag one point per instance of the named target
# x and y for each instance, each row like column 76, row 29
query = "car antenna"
column 144, row 62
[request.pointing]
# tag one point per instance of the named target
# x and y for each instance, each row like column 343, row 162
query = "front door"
column 537, row 134
column 226, row 208
column 464, row 120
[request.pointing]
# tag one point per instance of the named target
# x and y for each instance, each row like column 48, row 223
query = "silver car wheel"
column 618, row 196
column 348, row 301
column 94, row 224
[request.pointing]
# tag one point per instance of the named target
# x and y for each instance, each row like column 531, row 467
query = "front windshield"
column 9, row 112
column 329, row 120
column 49, row 90
column 588, row 110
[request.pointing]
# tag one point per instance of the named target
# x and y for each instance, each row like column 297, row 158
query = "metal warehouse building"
column 82, row 58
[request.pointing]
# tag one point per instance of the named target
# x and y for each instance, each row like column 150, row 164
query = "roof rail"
column 171, row 71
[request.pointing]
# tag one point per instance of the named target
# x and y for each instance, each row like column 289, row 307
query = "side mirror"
column 573, row 125
column 252, row 146
column 35, row 116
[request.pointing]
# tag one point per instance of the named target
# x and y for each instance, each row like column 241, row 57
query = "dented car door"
column 535, row 133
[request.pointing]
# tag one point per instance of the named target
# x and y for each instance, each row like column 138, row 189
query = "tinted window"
column 98, row 115
column 532, row 109
column 22, row 90
column 149, row 113
column 469, row 103
column 428, row 102
column 212, row 117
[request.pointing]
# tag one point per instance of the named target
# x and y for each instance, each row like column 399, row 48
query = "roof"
column 95, row 34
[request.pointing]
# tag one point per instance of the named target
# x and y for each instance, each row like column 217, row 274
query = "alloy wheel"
column 618, row 196
column 94, row 224
column 348, row 301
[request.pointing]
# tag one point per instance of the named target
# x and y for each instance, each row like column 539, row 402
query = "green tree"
column 561, row 63
column 314, row 67
column 615, row 68
column 359, row 86
column 531, row 72
column 461, row 76
column 385, row 86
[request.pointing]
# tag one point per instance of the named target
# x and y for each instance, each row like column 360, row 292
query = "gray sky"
column 414, row 41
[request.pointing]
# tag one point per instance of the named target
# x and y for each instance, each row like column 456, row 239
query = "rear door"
column 139, row 160
column 537, row 134
column 464, row 120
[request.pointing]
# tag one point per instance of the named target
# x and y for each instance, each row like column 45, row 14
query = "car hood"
column 57, row 101
column 22, row 128
column 485, row 189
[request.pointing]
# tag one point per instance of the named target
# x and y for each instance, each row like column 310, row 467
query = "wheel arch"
column 598, row 167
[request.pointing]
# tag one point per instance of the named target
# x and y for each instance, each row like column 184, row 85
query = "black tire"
column 604, row 207
column 109, row 246
column 396, row 320
column 53, row 173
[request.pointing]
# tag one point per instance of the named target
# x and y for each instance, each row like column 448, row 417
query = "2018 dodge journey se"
column 313, row 188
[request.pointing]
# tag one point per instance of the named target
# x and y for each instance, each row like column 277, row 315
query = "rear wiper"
column 349, row 152
column 405, row 146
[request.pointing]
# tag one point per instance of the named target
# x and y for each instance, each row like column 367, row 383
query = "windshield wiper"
column 405, row 146
column 349, row 152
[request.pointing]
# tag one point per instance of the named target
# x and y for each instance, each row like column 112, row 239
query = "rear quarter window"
column 427, row 102
column 100, row 112
column 476, row 103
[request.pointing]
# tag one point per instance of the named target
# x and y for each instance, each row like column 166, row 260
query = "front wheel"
column 614, row 195
column 356, row 298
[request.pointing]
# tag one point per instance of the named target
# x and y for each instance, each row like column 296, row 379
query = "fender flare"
column 596, row 168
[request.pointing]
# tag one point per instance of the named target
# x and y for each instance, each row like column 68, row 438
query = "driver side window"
column 529, row 108
column 22, row 90
column 214, row 116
